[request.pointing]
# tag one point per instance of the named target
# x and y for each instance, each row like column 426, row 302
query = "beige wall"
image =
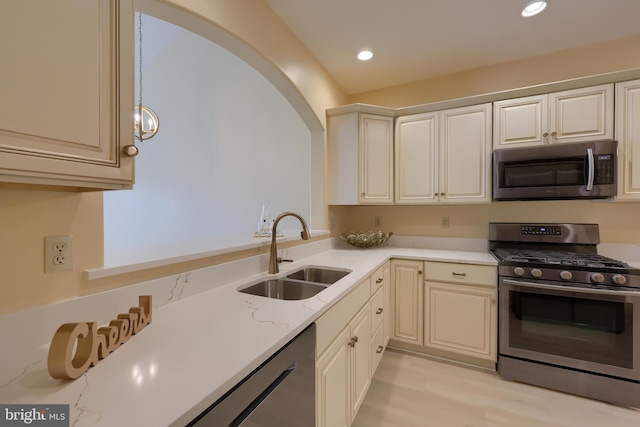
column 27, row 215
column 619, row 222
column 602, row 58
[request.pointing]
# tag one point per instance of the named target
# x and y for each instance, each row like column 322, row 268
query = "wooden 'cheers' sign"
column 93, row 343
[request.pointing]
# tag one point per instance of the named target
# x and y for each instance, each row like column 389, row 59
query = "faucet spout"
column 273, row 256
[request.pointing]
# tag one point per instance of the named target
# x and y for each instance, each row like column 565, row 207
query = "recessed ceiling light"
column 365, row 55
column 533, row 7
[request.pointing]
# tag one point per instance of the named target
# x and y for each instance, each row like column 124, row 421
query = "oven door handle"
column 571, row 289
column 589, row 172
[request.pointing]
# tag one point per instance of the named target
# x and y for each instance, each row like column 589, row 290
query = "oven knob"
column 566, row 275
column 536, row 272
column 597, row 278
column 619, row 279
column 518, row 271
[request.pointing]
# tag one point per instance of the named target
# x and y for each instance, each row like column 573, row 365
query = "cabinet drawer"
column 461, row 273
column 377, row 349
column 331, row 323
column 377, row 309
column 377, row 279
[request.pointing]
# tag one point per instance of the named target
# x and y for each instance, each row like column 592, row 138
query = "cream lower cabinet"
column 451, row 312
column 460, row 319
column 407, row 301
column 628, row 136
column 577, row 115
column 350, row 341
column 66, row 109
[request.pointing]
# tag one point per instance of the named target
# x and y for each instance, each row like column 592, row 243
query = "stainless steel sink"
column 318, row 275
column 284, row 289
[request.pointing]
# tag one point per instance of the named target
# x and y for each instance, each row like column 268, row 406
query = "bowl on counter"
column 366, row 239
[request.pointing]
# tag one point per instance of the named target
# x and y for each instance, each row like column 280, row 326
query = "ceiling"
column 418, row 39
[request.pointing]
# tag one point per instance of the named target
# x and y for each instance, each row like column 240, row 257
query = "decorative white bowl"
column 366, row 239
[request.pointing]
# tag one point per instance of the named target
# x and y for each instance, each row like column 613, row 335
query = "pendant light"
column 145, row 120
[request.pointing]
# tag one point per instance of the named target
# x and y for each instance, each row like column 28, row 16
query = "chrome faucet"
column 273, row 257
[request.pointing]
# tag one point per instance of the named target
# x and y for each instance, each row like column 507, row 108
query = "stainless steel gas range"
column 569, row 319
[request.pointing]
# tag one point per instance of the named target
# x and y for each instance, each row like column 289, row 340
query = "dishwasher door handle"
column 261, row 397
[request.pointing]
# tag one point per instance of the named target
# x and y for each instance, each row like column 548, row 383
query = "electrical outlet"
column 445, row 222
column 378, row 221
column 58, row 253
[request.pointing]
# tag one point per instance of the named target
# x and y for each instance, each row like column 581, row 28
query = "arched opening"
column 235, row 134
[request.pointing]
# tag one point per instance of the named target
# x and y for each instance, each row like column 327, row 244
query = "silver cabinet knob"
column 536, row 272
column 518, row 271
column 619, row 279
column 130, row 150
column 566, row 275
column 597, row 278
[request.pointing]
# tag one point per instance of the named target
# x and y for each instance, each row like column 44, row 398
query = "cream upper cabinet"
column 416, row 159
column 628, row 136
column 66, row 79
column 576, row 115
column 360, row 158
column 444, row 157
column 407, row 301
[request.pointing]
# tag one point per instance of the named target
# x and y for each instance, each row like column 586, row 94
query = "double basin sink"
column 298, row 285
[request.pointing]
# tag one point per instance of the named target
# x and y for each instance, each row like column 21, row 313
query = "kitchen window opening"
column 230, row 142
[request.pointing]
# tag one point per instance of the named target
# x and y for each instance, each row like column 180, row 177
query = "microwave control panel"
column 604, row 169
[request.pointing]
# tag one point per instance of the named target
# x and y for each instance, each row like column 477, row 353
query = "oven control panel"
column 541, row 230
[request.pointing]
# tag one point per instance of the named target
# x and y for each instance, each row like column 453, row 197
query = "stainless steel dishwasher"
column 281, row 392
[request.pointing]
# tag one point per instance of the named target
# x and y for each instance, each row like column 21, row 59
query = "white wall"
column 228, row 142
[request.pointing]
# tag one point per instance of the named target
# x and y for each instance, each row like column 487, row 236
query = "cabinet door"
column 376, row 159
column 407, row 301
column 520, row 122
column 333, row 400
column 66, row 82
column 628, row 135
column 416, row 157
column 582, row 114
column 461, row 319
column 360, row 344
column 465, row 155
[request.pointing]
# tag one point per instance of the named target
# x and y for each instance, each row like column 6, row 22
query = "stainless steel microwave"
column 585, row 170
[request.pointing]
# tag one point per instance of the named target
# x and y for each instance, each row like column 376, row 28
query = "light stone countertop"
column 204, row 338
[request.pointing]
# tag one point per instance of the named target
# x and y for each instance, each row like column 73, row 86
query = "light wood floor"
column 413, row 391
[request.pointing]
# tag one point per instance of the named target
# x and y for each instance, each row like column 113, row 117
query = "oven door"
column 593, row 330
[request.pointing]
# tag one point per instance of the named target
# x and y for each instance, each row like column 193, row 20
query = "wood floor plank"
column 412, row 391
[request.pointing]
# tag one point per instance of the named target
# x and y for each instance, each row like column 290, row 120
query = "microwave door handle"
column 589, row 170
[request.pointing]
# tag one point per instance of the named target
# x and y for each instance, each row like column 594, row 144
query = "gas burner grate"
column 558, row 258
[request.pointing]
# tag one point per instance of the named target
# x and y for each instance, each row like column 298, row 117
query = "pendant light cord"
column 140, row 130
